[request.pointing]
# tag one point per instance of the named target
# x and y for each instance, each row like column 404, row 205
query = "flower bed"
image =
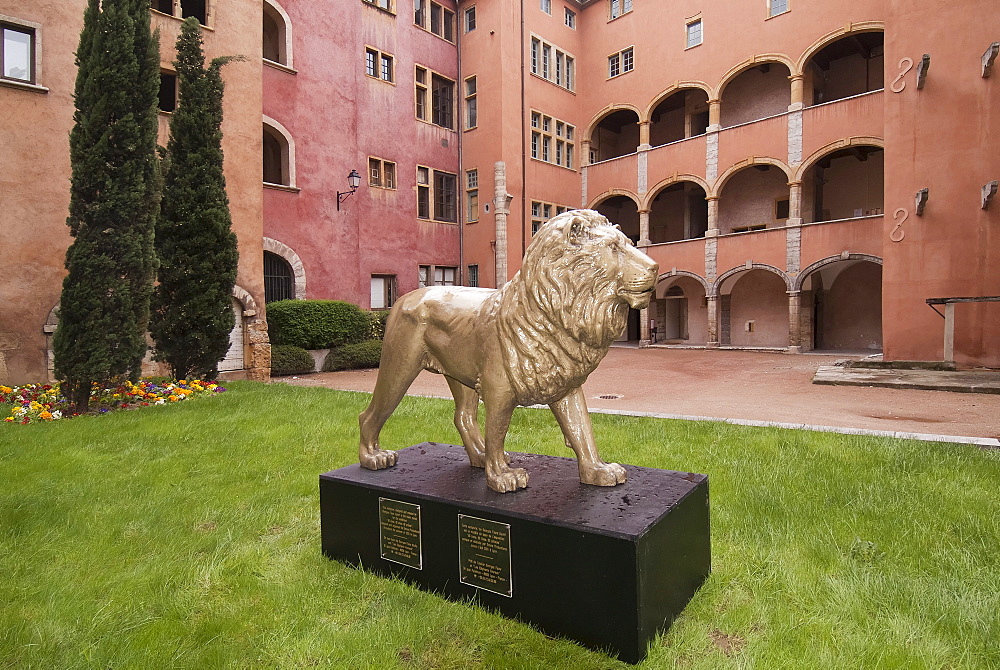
column 44, row 402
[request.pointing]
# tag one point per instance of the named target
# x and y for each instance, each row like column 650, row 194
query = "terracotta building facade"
column 809, row 177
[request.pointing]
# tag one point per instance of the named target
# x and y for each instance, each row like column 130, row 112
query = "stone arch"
column 753, row 61
column 249, row 304
column 284, row 39
column 610, row 193
column 745, row 163
column 833, row 36
column 613, row 133
column 607, row 111
column 669, row 91
column 670, row 181
column 859, row 140
column 705, row 284
column 298, row 269
column 717, row 285
column 818, row 265
column 287, row 150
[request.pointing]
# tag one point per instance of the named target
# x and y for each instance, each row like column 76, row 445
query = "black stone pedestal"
column 608, row 567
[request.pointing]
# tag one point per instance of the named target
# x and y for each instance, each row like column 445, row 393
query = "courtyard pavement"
column 752, row 388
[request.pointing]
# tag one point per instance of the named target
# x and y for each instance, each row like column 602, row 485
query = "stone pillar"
column 714, row 114
column 584, row 157
column 794, row 203
column 713, row 322
column 713, row 216
column 644, row 240
column 500, row 210
column 643, row 135
column 797, row 92
column 794, row 323
column 257, row 361
column 644, row 332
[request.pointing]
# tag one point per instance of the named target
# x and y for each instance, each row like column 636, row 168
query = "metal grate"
column 611, row 396
column 279, row 283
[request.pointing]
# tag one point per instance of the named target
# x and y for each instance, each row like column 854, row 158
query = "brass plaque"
column 484, row 554
column 399, row 532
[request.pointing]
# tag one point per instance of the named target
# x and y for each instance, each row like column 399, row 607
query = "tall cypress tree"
column 192, row 304
column 114, row 197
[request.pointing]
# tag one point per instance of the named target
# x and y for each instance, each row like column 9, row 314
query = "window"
column 442, row 101
column 381, row 173
column 168, row 92
column 379, row 65
column 552, row 140
column 694, row 35
column 420, row 84
column 619, row 7
column 383, row 293
column 439, row 205
column 781, row 208
column 195, row 8
column 437, row 275
column 472, row 196
column 546, row 6
column 542, row 212
column 473, row 275
column 278, row 159
column 438, row 20
column 279, row 281
column 569, row 18
column 18, row 55
column 470, row 19
column 552, row 64
column 423, row 193
column 621, row 62
column 775, row 7
column 381, row 4
column 471, row 113
column 276, row 44
column 444, row 197
column 748, row 229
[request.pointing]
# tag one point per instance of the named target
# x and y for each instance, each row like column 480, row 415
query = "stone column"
column 644, row 240
column 794, row 203
column 794, row 323
column 500, row 215
column 643, row 136
column 714, row 114
column 797, row 92
column 584, row 157
column 644, row 332
column 713, row 322
column 713, row 216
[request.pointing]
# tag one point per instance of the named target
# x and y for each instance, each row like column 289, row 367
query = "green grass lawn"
column 187, row 536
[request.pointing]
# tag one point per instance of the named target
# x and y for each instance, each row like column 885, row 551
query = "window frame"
column 770, row 8
column 471, row 91
column 621, row 62
column 442, row 111
column 433, row 199
column 472, row 195
column 469, row 19
column 209, row 13
column 375, row 61
column 472, row 277
column 33, row 31
column 541, row 211
column 425, row 17
column 569, row 18
column 552, row 140
column 388, row 291
column 687, row 33
column 545, row 6
column 386, row 178
column 544, row 59
column 618, row 8
column 390, row 5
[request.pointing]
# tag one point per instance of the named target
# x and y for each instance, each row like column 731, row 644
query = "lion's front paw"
column 604, row 474
column 507, row 479
column 377, row 459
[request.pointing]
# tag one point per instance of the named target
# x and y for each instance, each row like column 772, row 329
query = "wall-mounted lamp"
column 353, row 180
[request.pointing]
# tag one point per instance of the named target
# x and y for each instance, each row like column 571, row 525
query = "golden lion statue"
column 535, row 340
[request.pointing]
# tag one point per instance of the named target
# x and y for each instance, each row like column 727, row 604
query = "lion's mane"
column 559, row 314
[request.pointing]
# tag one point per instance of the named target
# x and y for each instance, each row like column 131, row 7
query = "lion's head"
column 570, row 300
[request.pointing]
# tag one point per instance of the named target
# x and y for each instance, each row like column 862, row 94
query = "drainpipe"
column 524, row 162
column 460, row 123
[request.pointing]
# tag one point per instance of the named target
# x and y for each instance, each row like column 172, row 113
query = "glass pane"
column 16, row 54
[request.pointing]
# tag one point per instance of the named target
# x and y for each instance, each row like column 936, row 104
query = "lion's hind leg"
column 467, row 421
column 401, row 363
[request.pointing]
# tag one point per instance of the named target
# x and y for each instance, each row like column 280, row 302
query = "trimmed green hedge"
column 289, row 360
column 316, row 324
column 354, row 356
